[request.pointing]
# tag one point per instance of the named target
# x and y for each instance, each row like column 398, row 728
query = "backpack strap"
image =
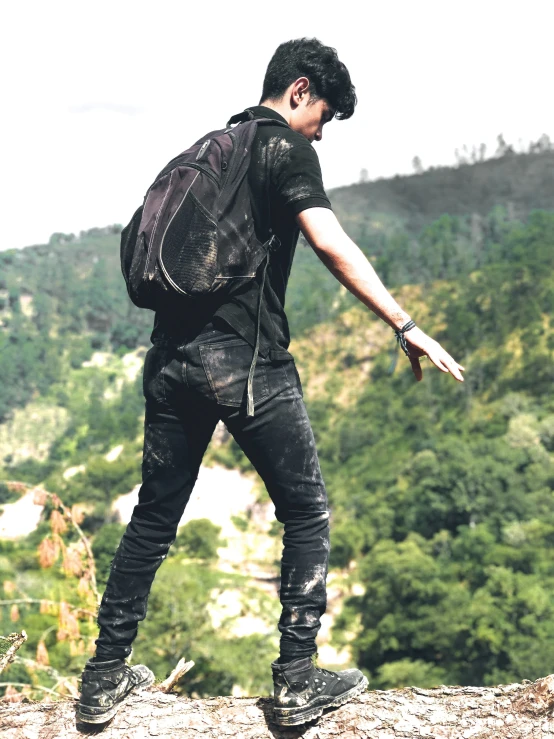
column 245, row 115
column 248, row 115
column 273, row 243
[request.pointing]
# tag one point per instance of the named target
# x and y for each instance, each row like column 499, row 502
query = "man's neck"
column 279, row 107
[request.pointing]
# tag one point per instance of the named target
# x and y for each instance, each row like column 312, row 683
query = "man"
column 196, row 373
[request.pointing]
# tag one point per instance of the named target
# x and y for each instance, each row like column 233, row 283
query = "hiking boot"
column 106, row 685
column 303, row 690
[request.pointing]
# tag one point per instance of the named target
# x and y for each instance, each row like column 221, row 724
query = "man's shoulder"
column 282, row 137
column 285, row 155
column 278, row 137
column 281, row 149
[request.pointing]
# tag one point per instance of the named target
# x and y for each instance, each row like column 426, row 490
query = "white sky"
column 98, row 96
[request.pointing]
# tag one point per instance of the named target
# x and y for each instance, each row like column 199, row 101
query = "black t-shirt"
column 285, row 179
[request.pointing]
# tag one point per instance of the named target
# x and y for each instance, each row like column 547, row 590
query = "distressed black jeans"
column 188, row 389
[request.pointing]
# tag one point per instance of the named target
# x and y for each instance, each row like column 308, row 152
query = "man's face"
column 310, row 117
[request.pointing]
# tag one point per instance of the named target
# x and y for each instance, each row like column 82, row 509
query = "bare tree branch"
column 42, row 688
column 181, row 669
column 67, row 512
column 40, row 601
column 33, row 665
column 9, row 646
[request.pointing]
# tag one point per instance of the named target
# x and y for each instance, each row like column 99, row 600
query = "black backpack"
column 194, row 233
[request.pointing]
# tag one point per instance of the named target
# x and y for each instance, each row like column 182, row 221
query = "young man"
column 195, row 375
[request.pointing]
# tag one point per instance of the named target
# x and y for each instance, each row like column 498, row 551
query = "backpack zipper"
column 231, row 159
column 184, row 163
column 200, row 168
column 202, row 149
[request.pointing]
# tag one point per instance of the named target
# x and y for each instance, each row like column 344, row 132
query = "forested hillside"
column 520, row 182
column 442, row 494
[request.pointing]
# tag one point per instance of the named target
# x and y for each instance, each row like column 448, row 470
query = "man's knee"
column 306, row 525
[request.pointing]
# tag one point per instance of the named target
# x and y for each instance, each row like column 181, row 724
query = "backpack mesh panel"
column 189, row 249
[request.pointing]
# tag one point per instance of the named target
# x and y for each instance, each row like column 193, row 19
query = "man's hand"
column 351, row 267
column 420, row 345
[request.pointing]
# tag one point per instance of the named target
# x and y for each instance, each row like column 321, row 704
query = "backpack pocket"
column 226, row 365
column 188, row 249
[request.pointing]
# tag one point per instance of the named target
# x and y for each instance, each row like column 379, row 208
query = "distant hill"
column 518, row 182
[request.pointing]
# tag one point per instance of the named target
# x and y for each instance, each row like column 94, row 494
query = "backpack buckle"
column 273, row 244
column 245, row 115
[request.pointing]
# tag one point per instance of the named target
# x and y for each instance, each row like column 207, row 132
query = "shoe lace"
column 321, row 670
column 131, row 675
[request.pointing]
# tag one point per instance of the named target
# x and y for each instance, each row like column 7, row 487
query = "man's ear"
column 299, row 90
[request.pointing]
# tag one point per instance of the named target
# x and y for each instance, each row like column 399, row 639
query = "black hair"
column 305, row 57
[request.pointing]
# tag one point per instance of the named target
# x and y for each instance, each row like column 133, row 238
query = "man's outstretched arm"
column 350, row 266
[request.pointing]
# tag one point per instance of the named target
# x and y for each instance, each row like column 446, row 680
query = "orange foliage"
column 78, row 513
column 48, row 551
column 42, row 654
column 49, row 608
column 68, row 625
column 57, row 523
column 12, row 695
column 77, row 648
column 40, row 496
column 9, row 587
column 83, row 588
column 72, row 561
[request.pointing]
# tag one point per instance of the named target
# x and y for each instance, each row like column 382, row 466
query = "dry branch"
column 9, row 646
column 30, row 687
column 518, row 711
column 61, row 679
column 41, row 495
column 43, row 602
column 181, row 669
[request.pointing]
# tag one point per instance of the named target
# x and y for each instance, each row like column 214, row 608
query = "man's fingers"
column 438, row 363
column 445, row 363
column 455, row 372
column 416, row 367
column 454, row 368
column 460, row 370
column 449, row 365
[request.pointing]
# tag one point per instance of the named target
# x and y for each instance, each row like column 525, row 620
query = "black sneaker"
column 106, row 685
column 303, row 690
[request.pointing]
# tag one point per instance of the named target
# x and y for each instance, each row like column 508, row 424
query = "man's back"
column 284, row 178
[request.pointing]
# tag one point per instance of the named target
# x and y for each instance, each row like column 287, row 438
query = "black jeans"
column 188, row 389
